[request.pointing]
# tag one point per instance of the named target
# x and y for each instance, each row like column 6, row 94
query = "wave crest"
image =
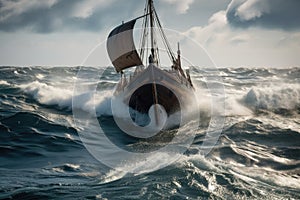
column 285, row 97
column 48, row 94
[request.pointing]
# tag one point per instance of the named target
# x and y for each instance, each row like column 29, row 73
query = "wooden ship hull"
column 149, row 84
column 156, row 86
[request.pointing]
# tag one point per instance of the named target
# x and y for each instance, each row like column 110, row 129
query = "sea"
column 58, row 137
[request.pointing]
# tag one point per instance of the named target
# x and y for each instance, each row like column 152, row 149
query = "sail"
column 121, row 48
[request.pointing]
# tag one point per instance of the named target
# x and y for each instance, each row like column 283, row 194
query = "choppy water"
column 256, row 157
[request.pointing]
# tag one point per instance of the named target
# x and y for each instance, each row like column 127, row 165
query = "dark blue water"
column 43, row 157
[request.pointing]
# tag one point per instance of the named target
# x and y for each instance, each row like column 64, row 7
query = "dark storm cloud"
column 56, row 15
column 278, row 14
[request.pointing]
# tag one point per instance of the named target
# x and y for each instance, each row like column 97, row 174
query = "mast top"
column 154, row 54
column 120, row 44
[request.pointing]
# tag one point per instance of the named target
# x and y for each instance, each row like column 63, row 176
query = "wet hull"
column 172, row 93
column 143, row 98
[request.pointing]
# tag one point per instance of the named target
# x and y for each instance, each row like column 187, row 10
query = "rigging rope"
column 165, row 40
column 144, row 38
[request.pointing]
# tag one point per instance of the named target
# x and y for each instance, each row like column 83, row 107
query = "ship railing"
column 137, row 71
column 180, row 78
column 124, row 82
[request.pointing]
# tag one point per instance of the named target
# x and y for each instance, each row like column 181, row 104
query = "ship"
column 149, row 85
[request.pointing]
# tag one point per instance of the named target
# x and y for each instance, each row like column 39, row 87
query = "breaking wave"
column 279, row 99
column 42, row 156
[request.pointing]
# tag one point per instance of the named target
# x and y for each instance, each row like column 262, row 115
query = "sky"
column 234, row 33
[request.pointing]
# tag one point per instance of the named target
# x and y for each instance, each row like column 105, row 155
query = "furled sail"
column 121, row 48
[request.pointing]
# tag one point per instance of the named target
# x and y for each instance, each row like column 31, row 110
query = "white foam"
column 62, row 97
column 2, row 82
column 40, row 76
column 98, row 103
column 48, row 94
column 272, row 97
column 226, row 105
column 235, row 108
column 141, row 166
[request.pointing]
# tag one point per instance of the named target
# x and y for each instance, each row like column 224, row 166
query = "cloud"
column 182, row 6
column 280, row 14
column 262, row 15
column 85, row 9
column 58, row 15
column 252, row 9
column 239, row 39
column 48, row 16
column 217, row 24
column 9, row 9
column 253, row 46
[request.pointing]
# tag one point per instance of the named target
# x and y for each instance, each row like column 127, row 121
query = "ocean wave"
column 4, row 83
column 49, row 95
column 30, row 134
column 281, row 99
column 62, row 98
column 42, row 156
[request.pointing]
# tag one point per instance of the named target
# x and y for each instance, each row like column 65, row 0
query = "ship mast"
column 152, row 59
column 153, row 42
